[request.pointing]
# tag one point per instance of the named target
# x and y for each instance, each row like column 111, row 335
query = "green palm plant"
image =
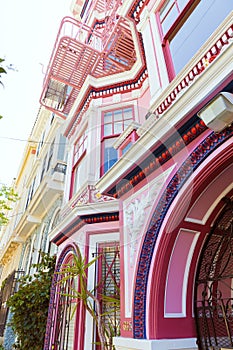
column 92, row 303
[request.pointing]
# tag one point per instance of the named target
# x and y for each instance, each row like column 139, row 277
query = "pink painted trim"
column 132, row 137
column 177, row 274
column 158, row 326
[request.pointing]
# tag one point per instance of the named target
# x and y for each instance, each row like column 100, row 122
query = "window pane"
column 118, row 120
column 79, row 175
column 80, row 147
column 110, row 154
column 117, row 115
column 108, row 117
column 165, row 8
column 182, row 3
column 127, row 123
column 125, row 149
column 197, row 29
column 170, row 19
column 128, row 113
column 118, row 128
column 107, row 129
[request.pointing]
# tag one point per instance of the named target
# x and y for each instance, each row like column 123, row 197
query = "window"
column 50, row 154
column 8, row 288
column 40, row 144
column 52, row 118
column 108, row 285
column 30, row 192
column 61, row 148
column 37, row 249
column 114, row 123
column 80, row 147
column 79, row 163
column 64, row 331
column 186, row 25
column 26, row 256
column 56, row 219
column 43, row 168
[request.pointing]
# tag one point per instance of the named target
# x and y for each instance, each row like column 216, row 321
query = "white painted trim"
column 176, row 314
column 157, row 344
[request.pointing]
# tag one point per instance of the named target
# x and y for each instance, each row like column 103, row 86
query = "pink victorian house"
column 145, row 90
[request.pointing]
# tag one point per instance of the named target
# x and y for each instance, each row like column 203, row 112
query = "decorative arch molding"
column 211, row 143
column 67, row 251
column 54, row 219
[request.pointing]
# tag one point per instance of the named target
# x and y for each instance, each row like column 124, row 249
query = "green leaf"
column 2, row 70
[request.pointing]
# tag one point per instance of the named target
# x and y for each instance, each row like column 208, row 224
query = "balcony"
column 82, row 8
column 49, row 190
column 80, row 51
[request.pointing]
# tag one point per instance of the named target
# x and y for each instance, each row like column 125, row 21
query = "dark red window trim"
column 103, row 137
column 172, row 31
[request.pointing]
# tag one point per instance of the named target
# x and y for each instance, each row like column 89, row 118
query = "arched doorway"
column 214, row 285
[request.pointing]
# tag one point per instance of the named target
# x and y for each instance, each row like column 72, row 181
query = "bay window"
column 114, row 122
column 79, row 164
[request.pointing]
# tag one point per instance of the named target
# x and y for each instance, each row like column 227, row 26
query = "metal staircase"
column 103, row 50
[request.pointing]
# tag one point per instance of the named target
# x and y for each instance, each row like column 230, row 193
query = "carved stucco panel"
column 136, row 212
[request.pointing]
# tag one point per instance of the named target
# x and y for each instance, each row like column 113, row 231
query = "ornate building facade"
column 144, row 92
column 145, row 89
column 39, row 185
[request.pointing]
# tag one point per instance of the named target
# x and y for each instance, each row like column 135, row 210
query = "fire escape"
column 105, row 49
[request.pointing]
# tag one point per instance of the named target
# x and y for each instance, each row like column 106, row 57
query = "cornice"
column 9, row 251
column 81, row 214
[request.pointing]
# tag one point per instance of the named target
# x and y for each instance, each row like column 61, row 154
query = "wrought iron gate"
column 214, row 286
column 9, row 287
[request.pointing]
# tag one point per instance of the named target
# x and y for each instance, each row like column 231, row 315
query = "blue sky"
column 28, row 32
